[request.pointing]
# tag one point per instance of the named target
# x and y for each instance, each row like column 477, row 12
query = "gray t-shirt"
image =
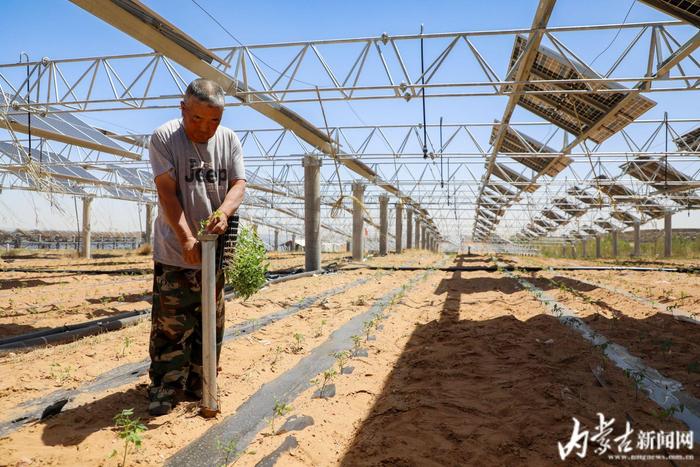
column 201, row 184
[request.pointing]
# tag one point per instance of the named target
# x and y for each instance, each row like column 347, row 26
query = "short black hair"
column 207, row 91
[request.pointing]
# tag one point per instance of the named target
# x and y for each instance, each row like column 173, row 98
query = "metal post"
column 614, row 243
column 416, row 236
column 148, row 237
column 668, row 230
column 399, row 227
column 584, row 243
column 277, row 240
column 409, row 229
column 358, row 193
column 294, row 243
column 637, row 239
column 423, row 236
column 597, row 246
column 210, row 405
column 563, row 250
column 383, row 224
column 573, row 249
column 312, row 212
column 87, row 234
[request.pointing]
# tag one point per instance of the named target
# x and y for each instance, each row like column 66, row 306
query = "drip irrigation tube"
column 250, row 417
column 666, row 392
column 35, row 409
column 508, row 267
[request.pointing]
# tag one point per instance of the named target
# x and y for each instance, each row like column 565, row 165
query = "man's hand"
column 217, row 223
column 191, row 251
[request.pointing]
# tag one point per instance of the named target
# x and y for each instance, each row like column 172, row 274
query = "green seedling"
column 636, row 377
column 125, row 345
column 357, row 342
column 319, row 331
column 367, row 328
column 246, row 272
column 669, row 412
column 298, row 344
column 130, row 430
column 326, row 378
column 279, row 410
column 275, row 356
column 341, row 358
column 60, row 374
column 230, row 449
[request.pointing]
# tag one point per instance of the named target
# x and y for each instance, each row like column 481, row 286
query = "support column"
column 87, row 234
column 614, row 243
column 277, row 240
column 312, row 212
column 294, row 243
column 423, row 235
column 573, row 249
column 597, row 246
column 399, row 227
column 383, row 224
column 668, row 230
column 637, row 240
column 584, row 242
column 148, row 236
column 563, row 250
column 347, row 246
column 409, row 228
column 416, row 236
column 358, row 241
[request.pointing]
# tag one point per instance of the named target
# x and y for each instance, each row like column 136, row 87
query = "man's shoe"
column 161, row 400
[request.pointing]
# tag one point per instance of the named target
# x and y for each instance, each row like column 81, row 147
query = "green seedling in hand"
column 246, row 273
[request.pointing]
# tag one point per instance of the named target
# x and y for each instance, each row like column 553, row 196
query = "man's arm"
column 232, row 201
column 175, row 217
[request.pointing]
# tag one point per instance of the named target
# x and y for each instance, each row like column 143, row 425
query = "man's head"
column 202, row 109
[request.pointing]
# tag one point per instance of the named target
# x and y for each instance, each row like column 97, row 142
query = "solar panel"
column 590, row 231
column 56, row 164
column 582, row 195
column 63, row 127
column 64, row 186
column 517, row 142
column 615, row 190
column 689, row 142
column 500, row 188
column 624, row 217
column 652, row 209
column 544, row 223
column 576, row 112
column 657, row 173
column 605, row 225
column 552, row 214
column 685, row 10
column 509, row 175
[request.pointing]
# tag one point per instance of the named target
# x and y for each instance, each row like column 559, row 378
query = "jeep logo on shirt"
column 204, row 174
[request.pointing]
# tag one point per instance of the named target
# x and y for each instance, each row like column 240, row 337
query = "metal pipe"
column 210, row 405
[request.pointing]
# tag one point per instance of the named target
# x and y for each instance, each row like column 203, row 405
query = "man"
column 199, row 174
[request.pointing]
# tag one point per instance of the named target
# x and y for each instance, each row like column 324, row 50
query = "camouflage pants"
column 176, row 327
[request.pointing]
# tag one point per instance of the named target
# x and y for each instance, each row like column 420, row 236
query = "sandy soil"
column 467, row 370
column 665, row 343
column 588, row 261
column 35, row 301
column 267, row 352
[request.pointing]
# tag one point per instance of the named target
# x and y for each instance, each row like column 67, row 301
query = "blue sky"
column 60, row 29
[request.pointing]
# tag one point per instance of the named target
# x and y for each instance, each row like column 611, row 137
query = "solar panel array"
column 579, row 112
column 61, row 126
column 517, row 142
